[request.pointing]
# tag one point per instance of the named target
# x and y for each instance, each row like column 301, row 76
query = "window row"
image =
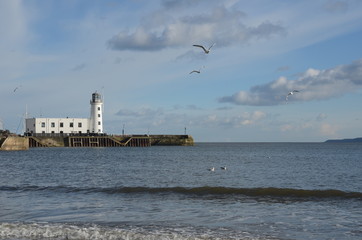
column 61, row 124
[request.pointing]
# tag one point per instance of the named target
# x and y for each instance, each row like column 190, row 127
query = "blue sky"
column 139, row 54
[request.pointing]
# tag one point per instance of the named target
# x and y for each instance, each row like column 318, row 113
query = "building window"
column 79, row 124
column 52, row 124
column 99, row 108
column 99, row 115
column 71, row 125
column 43, row 124
column 99, row 123
column 61, row 125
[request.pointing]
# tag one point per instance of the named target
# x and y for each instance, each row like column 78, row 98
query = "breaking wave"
column 199, row 191
column 60, row 231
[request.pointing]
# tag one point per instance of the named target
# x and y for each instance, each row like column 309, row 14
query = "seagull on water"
column 205, row 50
column 290, row 93
column 212, row 169
column 223, row 168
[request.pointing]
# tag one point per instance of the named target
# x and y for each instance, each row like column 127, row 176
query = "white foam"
column 45, row 231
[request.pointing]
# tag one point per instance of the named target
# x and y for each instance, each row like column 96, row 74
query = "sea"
column 278, row 191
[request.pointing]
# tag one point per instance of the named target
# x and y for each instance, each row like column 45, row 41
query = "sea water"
column 268, row 191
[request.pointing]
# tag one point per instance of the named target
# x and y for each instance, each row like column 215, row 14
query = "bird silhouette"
column 203, row 48
column 16, row 88
column 291, row 93
column 196, row 71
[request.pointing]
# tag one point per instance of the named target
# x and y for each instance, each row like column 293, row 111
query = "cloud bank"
column 161, row 117
column 313, row 85
column 173, row 26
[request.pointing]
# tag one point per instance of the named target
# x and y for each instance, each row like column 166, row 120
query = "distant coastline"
column 347, row 140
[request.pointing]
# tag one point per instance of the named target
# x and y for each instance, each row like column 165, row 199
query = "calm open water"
column 269, row 191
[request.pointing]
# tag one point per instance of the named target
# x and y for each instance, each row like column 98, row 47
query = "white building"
column 94, row 124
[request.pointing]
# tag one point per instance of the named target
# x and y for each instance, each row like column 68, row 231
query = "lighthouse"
column 96, row 122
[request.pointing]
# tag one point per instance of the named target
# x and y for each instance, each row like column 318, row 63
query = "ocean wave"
column 198, row 191
column 57, row 231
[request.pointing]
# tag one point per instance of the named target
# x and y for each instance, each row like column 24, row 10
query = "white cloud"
column 218, row 24
column 182, row 115
column 233, row 121
column 257, row 115
column 286, row 127
column 321, row 117
column 328, row 129
column 313, row 85
column 14, row 35
column 142, row 112
column 333, row 6
column 13, row 24
column 79, row 67
column 177, row 4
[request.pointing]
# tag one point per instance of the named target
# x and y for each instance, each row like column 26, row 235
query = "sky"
column 139, row 54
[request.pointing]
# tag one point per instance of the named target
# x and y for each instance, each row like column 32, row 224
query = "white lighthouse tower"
column 96, row 122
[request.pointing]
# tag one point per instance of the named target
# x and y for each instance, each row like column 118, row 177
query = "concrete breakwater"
column 110, row 141
column 13, row 143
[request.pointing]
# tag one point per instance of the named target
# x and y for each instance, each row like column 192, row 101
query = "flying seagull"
column 16, row 88
column 205, row 50
column 290, row 93
column 196, row 71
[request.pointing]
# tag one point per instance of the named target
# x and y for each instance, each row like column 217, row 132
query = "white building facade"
column 57, row 125
column 94, row 124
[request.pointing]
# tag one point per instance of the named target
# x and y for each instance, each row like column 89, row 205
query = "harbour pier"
column 54, row 140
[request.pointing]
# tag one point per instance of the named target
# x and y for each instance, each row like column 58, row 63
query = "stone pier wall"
column 111, row 141
column 14, row 143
